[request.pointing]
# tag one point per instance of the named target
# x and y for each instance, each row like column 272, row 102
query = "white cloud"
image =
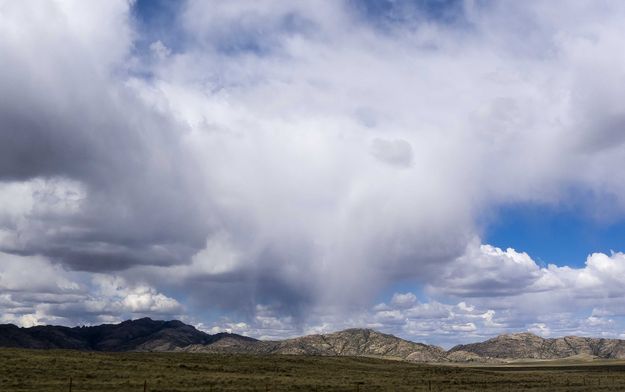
column 485, row 271
column 462, row 114
column 34, row 291
column 585, row 302
column 134, row 298
column 403, row 299
column 540, row 329
column 466, row 327
column 395, row 152
column 160, row 50
column 298, row 156
column 147, row 300
column 34, row 274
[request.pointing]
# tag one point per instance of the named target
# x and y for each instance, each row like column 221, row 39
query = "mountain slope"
column 137, row 335
column 155, row 335
column 527, row 345
column 350, row 342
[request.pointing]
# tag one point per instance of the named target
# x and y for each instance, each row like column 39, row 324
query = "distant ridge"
column 529, row 346
column 156, row 335
column 133, row 335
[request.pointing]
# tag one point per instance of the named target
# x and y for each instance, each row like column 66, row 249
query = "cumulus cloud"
column 34, row 291
column 403, row 299
column 303, row 156
column 521, row 295
column 487, row 272
column 476, row 307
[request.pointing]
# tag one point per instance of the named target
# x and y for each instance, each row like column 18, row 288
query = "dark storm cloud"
column 64, row 117
column 140, row 205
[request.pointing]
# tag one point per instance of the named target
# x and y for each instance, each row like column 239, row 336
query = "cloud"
column 485, row 271
column 34, row 291
column 160, row 50
column 521, row 295
column 586, row 301
column 395, row 152
column 34, row 274
column 403, row 299
column 304, row 157
column 73, row 124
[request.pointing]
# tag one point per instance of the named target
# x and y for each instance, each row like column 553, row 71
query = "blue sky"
column 442, row 170
column 388, row 12
column 552, row 234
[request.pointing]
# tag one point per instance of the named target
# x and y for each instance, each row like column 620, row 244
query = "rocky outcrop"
column 350, row 342
column 361, row 342
column 529, row 346
column 464, row 356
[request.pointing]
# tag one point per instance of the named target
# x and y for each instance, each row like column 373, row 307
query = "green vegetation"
column 43, row 371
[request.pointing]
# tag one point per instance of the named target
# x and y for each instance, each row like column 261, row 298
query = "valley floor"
column 51, row 370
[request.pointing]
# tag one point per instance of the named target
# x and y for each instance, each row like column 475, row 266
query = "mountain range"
column 529, row 346
column 133, row 335
column 154, row 335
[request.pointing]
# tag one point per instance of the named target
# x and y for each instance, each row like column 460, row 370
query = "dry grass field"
column 48, row 371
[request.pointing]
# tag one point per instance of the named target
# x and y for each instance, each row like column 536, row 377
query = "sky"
column 445, row 171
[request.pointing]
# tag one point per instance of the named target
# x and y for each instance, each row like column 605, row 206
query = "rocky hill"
column 350, row 342
column 136, row 335
column 153, row 335
column 530, row 346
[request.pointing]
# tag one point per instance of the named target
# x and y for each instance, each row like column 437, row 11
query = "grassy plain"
column 48, row 371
